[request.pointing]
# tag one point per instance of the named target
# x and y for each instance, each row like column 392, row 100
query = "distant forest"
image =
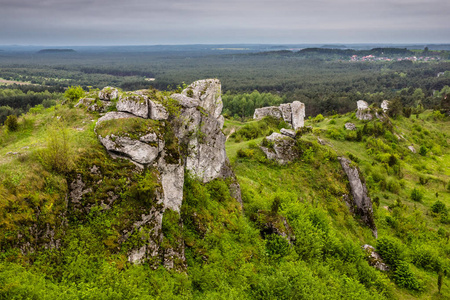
column 324, row 79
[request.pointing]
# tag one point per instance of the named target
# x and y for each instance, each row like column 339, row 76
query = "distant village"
column 382, row 58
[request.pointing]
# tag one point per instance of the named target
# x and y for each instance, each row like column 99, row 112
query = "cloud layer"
column 114, row 22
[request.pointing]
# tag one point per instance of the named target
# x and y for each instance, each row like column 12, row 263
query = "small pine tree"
column 11, row 123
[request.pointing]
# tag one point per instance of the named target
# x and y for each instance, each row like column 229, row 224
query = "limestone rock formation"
column 190, row 140
column 375, row 259
column 135, row 104
column 350, row 126
column 288, row 132
column 385, row 105
column 292, row 113
column 279, row 147
column 363, row 112
column 412, row 149
column 108, row 93
column 209, row 93
column 360, row 204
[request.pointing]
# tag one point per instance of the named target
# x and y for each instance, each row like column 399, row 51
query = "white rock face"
column 363, row 112
column 292, row 113
column 359, row 192
column 172, row 181
column 157, row 111
column 108, row 93
column 286, row 112
column 135, row 104
column 385, row 105
column 412, row 149
column 137, row 151
column 298, row 114
column 209, row 92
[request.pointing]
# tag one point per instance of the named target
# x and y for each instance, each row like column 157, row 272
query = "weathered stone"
column 273, row 111
column 288, row 132
column 375, row 259
column 412, row 149
column 185, row 101
column 114, row 115
column 207, row 152
column 286, row 112
column 209, row 92
column 108, row 93
column 280, row 148
column 133, row 103
column 362, row 204
column 94, row 105
column 385, row 105
column 136, row 150
column 292, row 113
column 157, row 111
column 298, row 115
column 350, row 126
column 172, row 180
column 363, row 112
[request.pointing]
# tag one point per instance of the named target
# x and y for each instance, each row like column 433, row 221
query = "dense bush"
column 11, row 123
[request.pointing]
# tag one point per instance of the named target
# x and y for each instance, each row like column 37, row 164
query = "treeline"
column 17, row 102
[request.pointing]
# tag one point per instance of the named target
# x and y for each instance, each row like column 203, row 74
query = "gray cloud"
column 112, row 22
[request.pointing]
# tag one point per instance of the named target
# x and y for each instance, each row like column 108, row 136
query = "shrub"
column 58, row 154
column 423, row 150
column 318, row 118
column 74, row 93
column 11, row 123
column 405, row 278
column 242, row 153
column 416, row 195
column 439, row 208
column 277, row 246
column 391, row 251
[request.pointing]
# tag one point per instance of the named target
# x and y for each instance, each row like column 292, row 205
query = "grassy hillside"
column 294, row 237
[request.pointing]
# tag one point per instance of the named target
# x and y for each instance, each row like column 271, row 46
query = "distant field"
column 9, row 82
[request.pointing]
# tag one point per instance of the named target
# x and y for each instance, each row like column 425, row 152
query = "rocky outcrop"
column 292, row 113
column 94, row 105
column 108, row 93
column 190, row 139
column 363, row 111
column 360, row 203
column 385, row 105
column 412, row 149
column 350, row 126
column 374, row 258
column 279, row 147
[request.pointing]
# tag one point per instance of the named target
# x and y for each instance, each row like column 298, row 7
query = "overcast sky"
column 149, row 22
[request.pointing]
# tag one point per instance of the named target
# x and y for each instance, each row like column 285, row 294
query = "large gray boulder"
column 361, row 203
column 279, row 147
